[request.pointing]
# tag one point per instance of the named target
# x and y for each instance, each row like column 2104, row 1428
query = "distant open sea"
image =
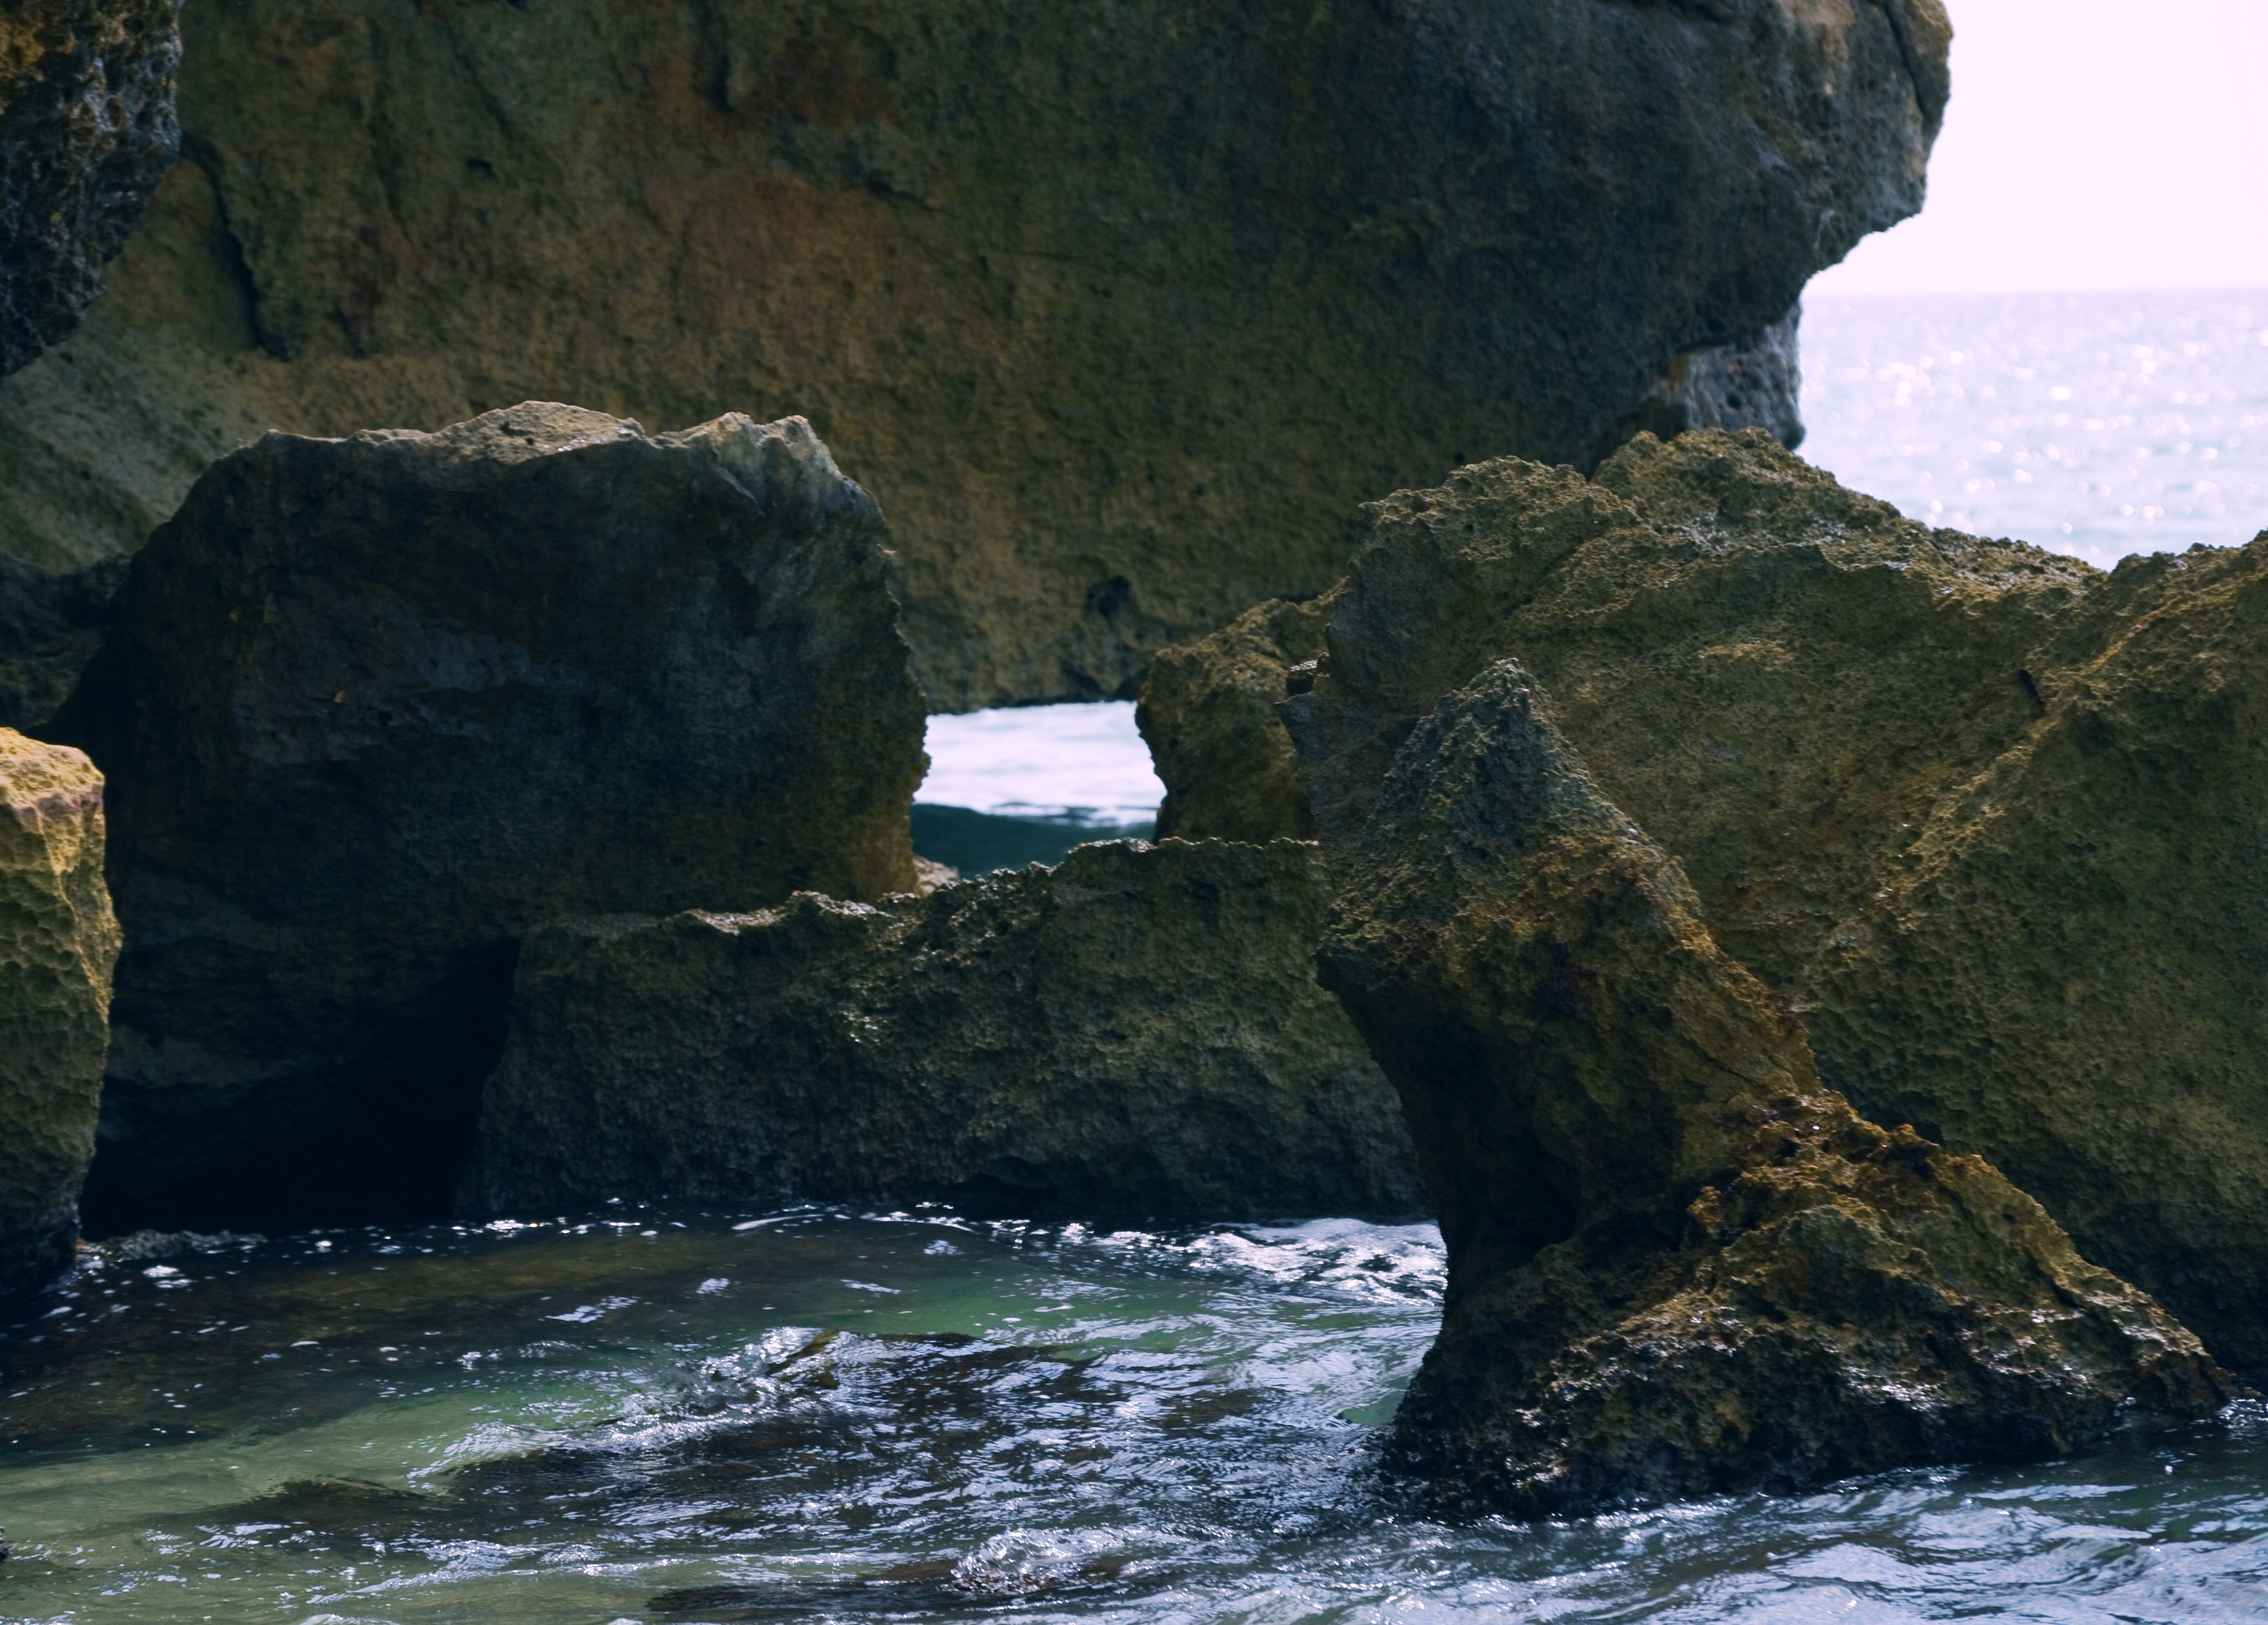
column 2097, row 425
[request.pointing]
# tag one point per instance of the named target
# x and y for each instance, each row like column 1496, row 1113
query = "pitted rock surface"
column 57, row 943
column 87, row 130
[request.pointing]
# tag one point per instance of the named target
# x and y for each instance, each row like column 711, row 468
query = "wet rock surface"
column 1208, row 713
column 87, row 130
column 1971, row 807
column 1136, row 1032
column 57, row 944
column 1679, row 1265
column 932, row 229
column 372, row 708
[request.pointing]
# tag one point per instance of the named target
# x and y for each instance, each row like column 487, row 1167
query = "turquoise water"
column 818, row 1417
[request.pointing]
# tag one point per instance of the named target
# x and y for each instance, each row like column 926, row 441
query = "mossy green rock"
column 1985, row 815
column 1136, row 1034
column 57, row 943
column 1679, row 1265
column 1123, row 306
column 372, row 708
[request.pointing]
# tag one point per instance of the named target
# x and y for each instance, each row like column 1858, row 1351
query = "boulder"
column 1679, row 1265
column 87, row 130
column 1131, row 302
column 1134, row 1034
column 372, row 708
column 57, row 943
column 1979, row 812
column 1208, row 713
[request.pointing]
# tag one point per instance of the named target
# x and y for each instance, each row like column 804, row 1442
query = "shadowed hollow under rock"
column 372, row 708
column 1678, row 1264
column 1987, row 817
column 1136, row 1034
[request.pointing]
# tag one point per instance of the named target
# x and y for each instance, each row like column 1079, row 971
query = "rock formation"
column 1755, row 384
column 1208, row 713
column 86, row 133
column 1678, row 1264
column 57, row 942
column 1131, row 303
column 1980, row 811
column 371, row 708
column 1135, row 1034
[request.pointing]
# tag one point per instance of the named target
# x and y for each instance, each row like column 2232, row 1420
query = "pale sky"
column 2090, row 145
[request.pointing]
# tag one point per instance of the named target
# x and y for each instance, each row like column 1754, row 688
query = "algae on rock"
column 372, row 708
column 1678, row 1264
column 57, row 944
column 1135, row 1034
column 1124, row 306
column 1979, row 810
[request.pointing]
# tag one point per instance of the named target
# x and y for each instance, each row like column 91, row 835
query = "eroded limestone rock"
column 1679, row 1265
column 57, row 943
column 1135, row 1034
column 371, row 708
column 87, row 130
column 1209, row 715
column 1126, row 305
column 1981, row 813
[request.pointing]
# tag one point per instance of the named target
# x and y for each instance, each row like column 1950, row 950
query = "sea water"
column 828, row 1416
column 2097, row 424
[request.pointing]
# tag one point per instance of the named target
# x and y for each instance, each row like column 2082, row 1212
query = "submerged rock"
column 1136, row 1032
column 57, row 943
column 87, row 130
column 1132, row 301
column 1208, row 713
column 372, row 708
column 1982, row 813
column 1679, row 1265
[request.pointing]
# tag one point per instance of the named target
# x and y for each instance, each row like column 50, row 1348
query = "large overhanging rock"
column 372, row 708
column 57, row 942
column 1137, row 1033
column 1678, row 1264
column 1124, row 305
column 1987, row 817
column 86, row 133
